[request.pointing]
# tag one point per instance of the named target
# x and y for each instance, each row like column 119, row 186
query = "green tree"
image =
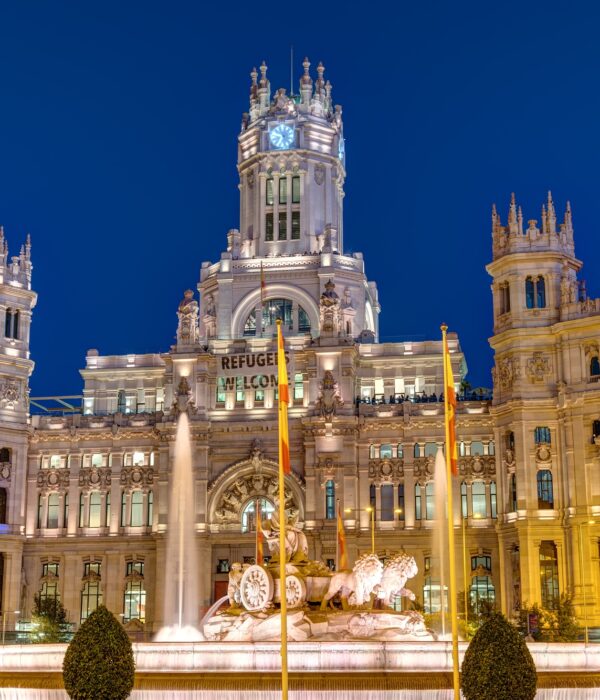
column 99, row 663
column 49, row 620
column 497, row 664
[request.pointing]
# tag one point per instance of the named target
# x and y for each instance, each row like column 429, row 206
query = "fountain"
column 181, row 565
column 440, row 530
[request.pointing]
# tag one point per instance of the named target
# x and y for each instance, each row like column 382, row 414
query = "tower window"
column 540, row 288
column 594, row 367
column 283, row 190
column 295, row 190
column 11, row 324
column 529, row 293
column 512, row 490
column 269, row 192
column 282, row 233
column 269, row 226
column 295, row 225
column 504, row 298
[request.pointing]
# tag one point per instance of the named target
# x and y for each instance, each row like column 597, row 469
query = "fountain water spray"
column 181, row 562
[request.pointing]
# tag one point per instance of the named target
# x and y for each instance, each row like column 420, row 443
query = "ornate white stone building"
column 84, row 493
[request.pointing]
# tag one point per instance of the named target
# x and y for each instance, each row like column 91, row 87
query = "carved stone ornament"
column 538, row 367
column 386, row 470
column 423, row 468
column 137, row 478
column 250, row 180
column 10, row 393
column 95, row 478
column 319, row 174
column 477, row 466
column 329, row 308
column 327, row 467
column 509, row 457
column 5, row 471
column 188, row 329
column 329, row 399
column 53, row 479
column 505, row 373
column 229, row 508
column 543, row 454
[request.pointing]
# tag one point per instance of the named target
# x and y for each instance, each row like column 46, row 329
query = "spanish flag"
column 263, row 285
column 342, row 564
column 284, row 400
column 260, row 557
column 450, row 404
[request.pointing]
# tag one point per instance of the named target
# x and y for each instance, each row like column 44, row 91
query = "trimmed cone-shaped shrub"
column 497, row 664
column 99, row 661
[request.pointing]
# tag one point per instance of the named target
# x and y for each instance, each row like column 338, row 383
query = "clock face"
column 281, row 137
column 341, row 149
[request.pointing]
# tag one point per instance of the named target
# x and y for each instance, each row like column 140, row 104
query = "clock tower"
column 291, row 167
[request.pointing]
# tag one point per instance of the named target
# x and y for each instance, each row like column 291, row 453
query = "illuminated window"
column 481, row 592
column 107, row 504
column 138, row 459
column 298, row 386
column 81, row 510
column 417, row 450
column 542, row 435
column 478, row 499
column 282, row 190
column 493, row 499
column 269, row 192
column 282, row 226
column 134, row 607
column 400, row 502
column 387, row 501
column 330, row 499
column 373, row 501
column 549, row 575
column 431, row 449
column 303, row 322
column 463, row 500
column 95, row 509
column 477, row 448
column 385, row 451
column 150, row 508
column 295, row 190
column 91, row 595
column 121, row 402
column 221, row 395
column 137, row 509
column 417, row 502
column 249, row 514
column 429, row 501
column 53, row 510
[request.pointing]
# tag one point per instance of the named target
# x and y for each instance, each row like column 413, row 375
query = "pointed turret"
column 264, row 90
column 550, row 215
column 513, row 224
column 306, row 84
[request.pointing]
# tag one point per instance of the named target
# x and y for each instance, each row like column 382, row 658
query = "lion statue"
column 398, row 569
column 355, row 587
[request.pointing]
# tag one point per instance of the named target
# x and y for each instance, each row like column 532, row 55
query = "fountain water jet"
column 440, row 531
column 181, row 570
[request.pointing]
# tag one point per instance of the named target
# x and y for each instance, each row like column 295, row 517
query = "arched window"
column 8, row 324
column 594, row 369
column 3, row 495
column 478, row 499
column 417, row 450
column 529, row 293
column 277, row 309
column 249, row 513
column 53, row 506
column 11, row 324
column 431, row 449
column 544, row 489
column 540, row 289
column 330, row 499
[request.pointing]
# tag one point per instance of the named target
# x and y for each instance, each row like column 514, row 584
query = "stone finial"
column 263, row 74
column 320, row 82
column 306, row 79
column 254, row 76
column 513, row 224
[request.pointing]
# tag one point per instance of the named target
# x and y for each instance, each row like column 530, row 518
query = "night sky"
column 118, row 154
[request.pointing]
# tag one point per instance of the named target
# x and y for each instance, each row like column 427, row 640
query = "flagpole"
column 451, row 554
column 282, row 407
column 337, row 535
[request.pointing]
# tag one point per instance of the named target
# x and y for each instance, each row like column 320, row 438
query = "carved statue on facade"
column 329, row 399
column 210, row 317
column 188, row 330
column 296, row 544
column 233, row 587
column 329, row 308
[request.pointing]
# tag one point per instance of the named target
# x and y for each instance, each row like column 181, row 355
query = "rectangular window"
column 259, row 396
column 295, row 225
column 49, row 569
column 8, row 323
column 150, row 507
column 387, row 502
column 137, row 509
column 269, row 198
column 373, row 501
column 107, row 509
column 282, row 235
column 417, row 502
column 95, row 509
column 330, row 500
column 429, row 502
column 295, row 190
column 298, row 386
column 400, row 502
column 40, row 510
column 269, row 226
column 463, row 500
column 283, row 190
column 91, row 568
column 81, row 510
column 53, row 506
column 549, row 575
column 221, row 390
column 136, row 567
column 123, row 509
column 240, row 394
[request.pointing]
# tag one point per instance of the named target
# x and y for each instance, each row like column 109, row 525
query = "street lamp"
column 4, row 614
column 585, row 614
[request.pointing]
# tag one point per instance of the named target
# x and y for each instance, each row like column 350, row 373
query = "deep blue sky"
column 118, row 134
